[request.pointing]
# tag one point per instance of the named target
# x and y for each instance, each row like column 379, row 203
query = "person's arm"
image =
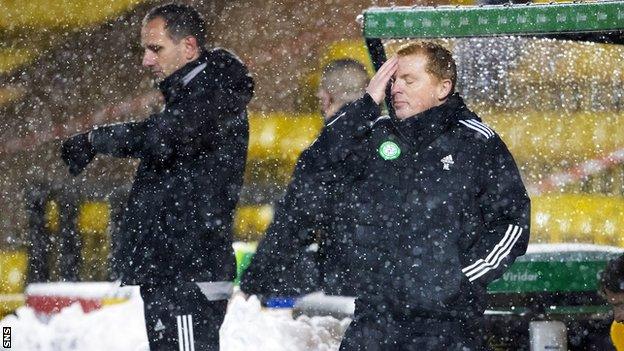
column 505, row 209
column 125, row 140
column 298, row 213
column 208, row 118
column 120, row 139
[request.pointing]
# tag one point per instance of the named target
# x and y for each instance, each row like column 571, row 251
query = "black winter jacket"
column 178, row 220
column 283, row 264
column 434, row 206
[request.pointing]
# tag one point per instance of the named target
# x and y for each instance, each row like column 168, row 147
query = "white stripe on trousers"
column 186, row 339
column 493, row 260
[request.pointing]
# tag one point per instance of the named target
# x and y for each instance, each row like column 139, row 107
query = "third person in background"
column 612, row 289
column 287, row 262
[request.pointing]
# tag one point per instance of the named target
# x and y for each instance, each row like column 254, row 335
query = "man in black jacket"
column 286, row 262
column 435, row 207
column 176, row 228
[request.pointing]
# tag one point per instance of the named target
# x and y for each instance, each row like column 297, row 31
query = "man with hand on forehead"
column 434, row 205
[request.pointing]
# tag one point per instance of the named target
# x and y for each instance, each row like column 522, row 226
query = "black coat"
column 435, row 209
column 178, row 220
column 286, row 262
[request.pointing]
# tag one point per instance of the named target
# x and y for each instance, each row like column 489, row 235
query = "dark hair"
column 612, row 278
column 180, row 21
column 440, row 62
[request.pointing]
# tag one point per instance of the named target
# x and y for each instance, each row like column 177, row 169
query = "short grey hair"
column 345, row 80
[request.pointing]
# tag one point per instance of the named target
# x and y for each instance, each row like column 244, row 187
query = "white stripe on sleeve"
column 500, row 259
column 496, row 248
column 496, row 256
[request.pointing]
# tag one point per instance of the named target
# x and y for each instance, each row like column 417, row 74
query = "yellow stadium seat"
column 577, row 218
column 13, row 266
column 580, row 136
column 42, row 14
column 617, row 335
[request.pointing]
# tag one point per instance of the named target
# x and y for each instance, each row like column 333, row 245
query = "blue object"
column 280, row 302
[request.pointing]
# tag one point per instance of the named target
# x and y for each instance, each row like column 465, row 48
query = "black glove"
column 77, row 152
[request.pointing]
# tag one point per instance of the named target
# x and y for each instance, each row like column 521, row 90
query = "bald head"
column 343, row 81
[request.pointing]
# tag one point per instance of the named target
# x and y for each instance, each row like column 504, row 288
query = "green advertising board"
column 557, row 268
column 493, row 20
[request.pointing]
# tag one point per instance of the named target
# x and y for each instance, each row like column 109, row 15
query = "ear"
column 191, row 49
column 324, row 98
column 444, row 89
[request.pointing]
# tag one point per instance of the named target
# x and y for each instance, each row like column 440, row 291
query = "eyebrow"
column 153, row 47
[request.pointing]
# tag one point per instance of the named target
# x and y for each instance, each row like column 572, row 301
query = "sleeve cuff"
column 368, row 100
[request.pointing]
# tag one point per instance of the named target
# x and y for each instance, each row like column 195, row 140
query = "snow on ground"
column 120, row 327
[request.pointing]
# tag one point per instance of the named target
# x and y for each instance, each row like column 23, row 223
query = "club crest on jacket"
column 389, row 150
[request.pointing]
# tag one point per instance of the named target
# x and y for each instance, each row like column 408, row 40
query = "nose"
column 395, row 87
column 149, row 59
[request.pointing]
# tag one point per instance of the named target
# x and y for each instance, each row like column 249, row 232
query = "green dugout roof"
column 605, row 20
column 601, row 22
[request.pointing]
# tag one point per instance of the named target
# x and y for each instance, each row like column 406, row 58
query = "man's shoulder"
column 474, row 134
column 381, row 121
column 221, row 56
column 469, row 126
column 475, row 129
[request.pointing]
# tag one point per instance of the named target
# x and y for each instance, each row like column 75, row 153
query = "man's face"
column 415, row 90
column 617, row 302
column 162, row 55
column 324, row 101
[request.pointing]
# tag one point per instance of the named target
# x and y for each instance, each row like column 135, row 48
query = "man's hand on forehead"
column 377, row 86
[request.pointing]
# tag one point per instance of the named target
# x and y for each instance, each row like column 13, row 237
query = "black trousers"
column 181, row 318
column 376, row 329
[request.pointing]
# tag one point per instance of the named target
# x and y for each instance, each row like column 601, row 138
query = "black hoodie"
column 177, row 223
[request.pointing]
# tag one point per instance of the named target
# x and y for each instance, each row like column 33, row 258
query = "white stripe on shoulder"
column 476, row 128
column 381, row 118
column 476, row 123
column 337, row 118
column 189, row 77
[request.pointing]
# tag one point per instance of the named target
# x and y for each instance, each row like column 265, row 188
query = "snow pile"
column 246, row 327
column 120, row 327
column 115, row 327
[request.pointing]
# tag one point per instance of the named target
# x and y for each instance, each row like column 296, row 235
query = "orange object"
column 617, row 335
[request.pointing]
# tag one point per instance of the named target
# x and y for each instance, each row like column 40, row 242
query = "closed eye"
column 154, row 48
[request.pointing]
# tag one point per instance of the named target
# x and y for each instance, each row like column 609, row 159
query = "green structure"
column 496, row 20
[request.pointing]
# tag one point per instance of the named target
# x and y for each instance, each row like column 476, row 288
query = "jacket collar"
column 336, row 116
column 172, row 85
column 422, row 129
